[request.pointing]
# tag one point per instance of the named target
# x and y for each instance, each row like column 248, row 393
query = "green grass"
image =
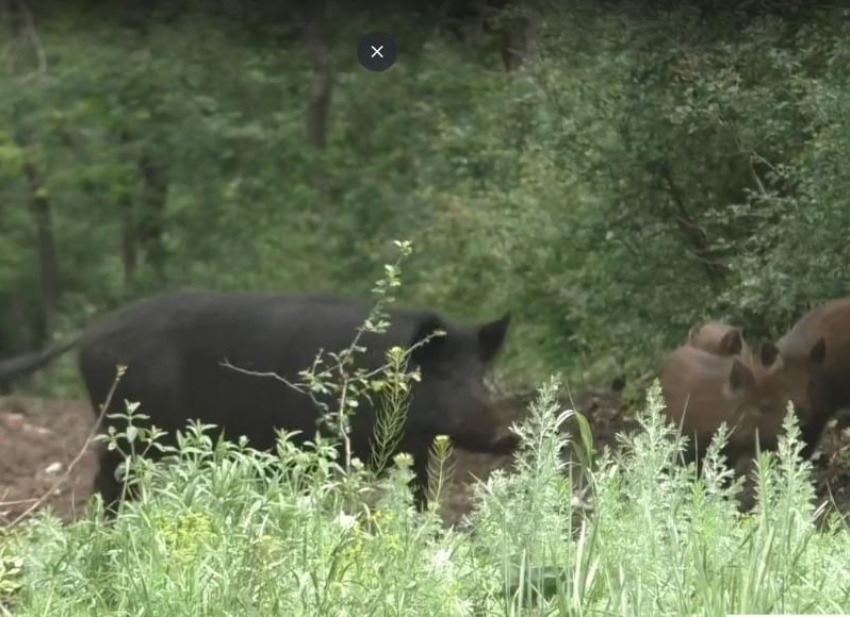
column 229, row 531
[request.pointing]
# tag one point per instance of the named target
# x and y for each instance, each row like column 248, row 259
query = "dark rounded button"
column 377, row 51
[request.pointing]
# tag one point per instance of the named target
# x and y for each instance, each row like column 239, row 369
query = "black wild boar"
column 174, row 346
column 719, row 338
column 815, row 368
column 702, row 390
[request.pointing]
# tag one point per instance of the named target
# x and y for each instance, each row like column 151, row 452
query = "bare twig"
column 755, row 175
column 16, row 502
column 297, row 387
column 764, row 161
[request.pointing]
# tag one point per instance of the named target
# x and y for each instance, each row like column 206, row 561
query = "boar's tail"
column 21, row 366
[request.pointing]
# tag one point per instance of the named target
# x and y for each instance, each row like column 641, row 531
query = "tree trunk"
column 20, row 26
column 321, row 89
column 517, row 35
column 150, row 225
column 129, row 244
column 312, row 15
column 46, row 250
column 129, row 248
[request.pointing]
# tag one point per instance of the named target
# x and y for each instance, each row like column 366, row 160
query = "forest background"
column 609, row 172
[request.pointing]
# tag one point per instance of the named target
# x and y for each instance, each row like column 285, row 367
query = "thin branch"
column 301, row 387
column 297, row 387
column 64, row 477
column 16, row 502
column 755, row 175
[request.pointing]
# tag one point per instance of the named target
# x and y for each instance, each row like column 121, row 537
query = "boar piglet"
column 702, row 390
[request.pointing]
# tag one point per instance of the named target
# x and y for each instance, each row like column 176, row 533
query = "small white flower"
column 442, row 558
column 403, row 459
column 347, row 521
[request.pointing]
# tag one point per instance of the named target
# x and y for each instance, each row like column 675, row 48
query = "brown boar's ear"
column 741, row 378
column 491, row 337
column 429, row 336
column 817, row 354
column 732, row 343
column 692, row 333
column 768, row 353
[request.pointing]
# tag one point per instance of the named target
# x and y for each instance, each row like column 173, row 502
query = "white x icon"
column 376, row 51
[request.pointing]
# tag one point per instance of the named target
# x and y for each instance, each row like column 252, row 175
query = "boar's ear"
column 692, row 333
column 732, row 343
column 491, row 337
column 740, row 377
column 427, row 325
column 768, row 353
column 817, row 354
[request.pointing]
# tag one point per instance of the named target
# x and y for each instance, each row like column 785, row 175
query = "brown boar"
column 815, row 368
column 702, row 390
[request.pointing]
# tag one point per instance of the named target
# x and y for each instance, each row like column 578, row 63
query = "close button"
column 377, row 51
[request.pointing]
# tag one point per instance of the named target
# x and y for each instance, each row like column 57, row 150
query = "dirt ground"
column 40, row 438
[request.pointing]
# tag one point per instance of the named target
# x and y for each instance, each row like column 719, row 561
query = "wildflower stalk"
column 441, row 468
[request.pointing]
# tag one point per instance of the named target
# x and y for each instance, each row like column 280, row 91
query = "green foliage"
column 10, row 570
column 391, row 396
column 440, row 469
column 644, row 170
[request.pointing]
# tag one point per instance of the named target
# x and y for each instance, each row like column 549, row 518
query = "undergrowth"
column 230, row 531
